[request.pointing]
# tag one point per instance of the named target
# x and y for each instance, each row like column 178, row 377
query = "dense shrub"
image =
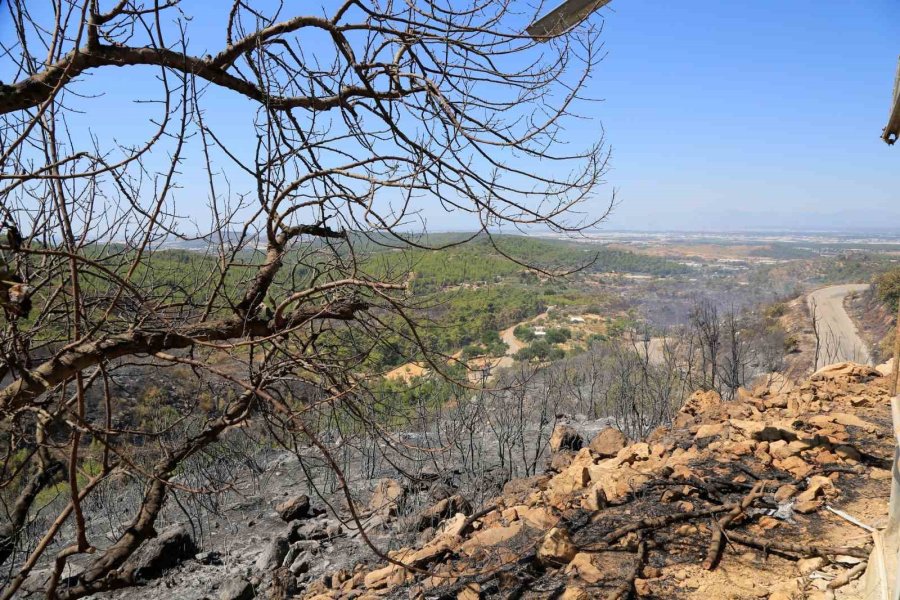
column 887, row 288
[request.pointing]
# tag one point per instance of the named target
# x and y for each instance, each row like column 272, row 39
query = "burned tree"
column 706, row 326
column 278, row 150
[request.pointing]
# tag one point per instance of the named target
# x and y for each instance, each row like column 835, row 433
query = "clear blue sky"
column 720, row 115
column 750, row 112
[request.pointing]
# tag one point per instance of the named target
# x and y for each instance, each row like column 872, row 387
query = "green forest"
column 464, row 294
column 486, row 261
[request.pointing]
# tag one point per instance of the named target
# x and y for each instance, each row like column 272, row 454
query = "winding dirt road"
column 839, row 339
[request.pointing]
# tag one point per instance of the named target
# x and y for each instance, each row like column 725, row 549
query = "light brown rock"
column 493, row 536
column 472, row 591
column 846, row 370
column 616, row 482
column 742, row 448
column 525, row 485
column 559, row 461
column 539, row 517
column 633, row 453
column 773, row 384
column 880, row 474
column 764, row 430
column 557, row 548
column 779, row 401
column 388, row 576
column 386, row 497
column 574, row 593
column 808, row 565
column 608, row 442
column 642, row 587
column 785, row 493
column 850, row 454
column 818, row 486
column 441, row 510
column 452, row 526
column 845, row 419
column 702, row 402
column 781, row 449
column 795, row 465
column 583, row 567
column 710, row 430
column 293, row 508
column 574, row 478
column 810, row 506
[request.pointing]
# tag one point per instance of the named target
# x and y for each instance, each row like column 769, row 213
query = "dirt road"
column 839, row 340
column 513, row 343
column 511, row 340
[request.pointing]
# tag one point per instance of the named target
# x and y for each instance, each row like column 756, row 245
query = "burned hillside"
column 745, row 499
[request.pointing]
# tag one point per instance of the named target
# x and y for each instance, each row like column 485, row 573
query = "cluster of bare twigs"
column 727, row 508
column 280, row 156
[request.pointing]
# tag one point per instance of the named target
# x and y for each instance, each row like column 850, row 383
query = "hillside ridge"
column 735, row 499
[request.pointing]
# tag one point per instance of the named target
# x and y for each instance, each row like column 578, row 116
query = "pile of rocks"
column 744, row 483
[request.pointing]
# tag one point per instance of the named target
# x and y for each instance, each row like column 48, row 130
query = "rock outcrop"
column 565, row 437
column 293, row 508
column 727, row 502
column 608, row 442
column 171, row 547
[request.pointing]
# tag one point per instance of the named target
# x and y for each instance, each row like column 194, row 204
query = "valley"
column 532, row 354
column 448, row 300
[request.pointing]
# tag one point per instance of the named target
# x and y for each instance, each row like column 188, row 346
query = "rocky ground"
column 734, row 500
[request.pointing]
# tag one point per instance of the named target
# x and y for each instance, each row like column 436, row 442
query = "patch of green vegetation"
column 887, row 288
column 853, row 267
column 485, row 262
column 776, row 310
column 543, row 347
column 558, row 336
column 784, row 251
column 394, row 399
column 467, row 292
column 621, row 324
column 464, row 317
column 540, row 350
column 489, row 345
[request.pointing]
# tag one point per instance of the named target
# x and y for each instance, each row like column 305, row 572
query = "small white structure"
column 576, row 319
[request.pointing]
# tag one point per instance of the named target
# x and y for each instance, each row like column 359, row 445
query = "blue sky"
column 720, row 115
column 753, row 113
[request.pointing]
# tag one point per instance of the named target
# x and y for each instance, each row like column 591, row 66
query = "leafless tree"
column 706, row 326
column 827, row 348
column 520, row 416
column 588, row 376
column 308, row 139
column 735, row 364
column 816, row 327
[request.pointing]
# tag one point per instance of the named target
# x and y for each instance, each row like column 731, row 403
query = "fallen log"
column 805, row 550
column 717, row 539
column 653, row 523
column 848, row 576
column 626, row 589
